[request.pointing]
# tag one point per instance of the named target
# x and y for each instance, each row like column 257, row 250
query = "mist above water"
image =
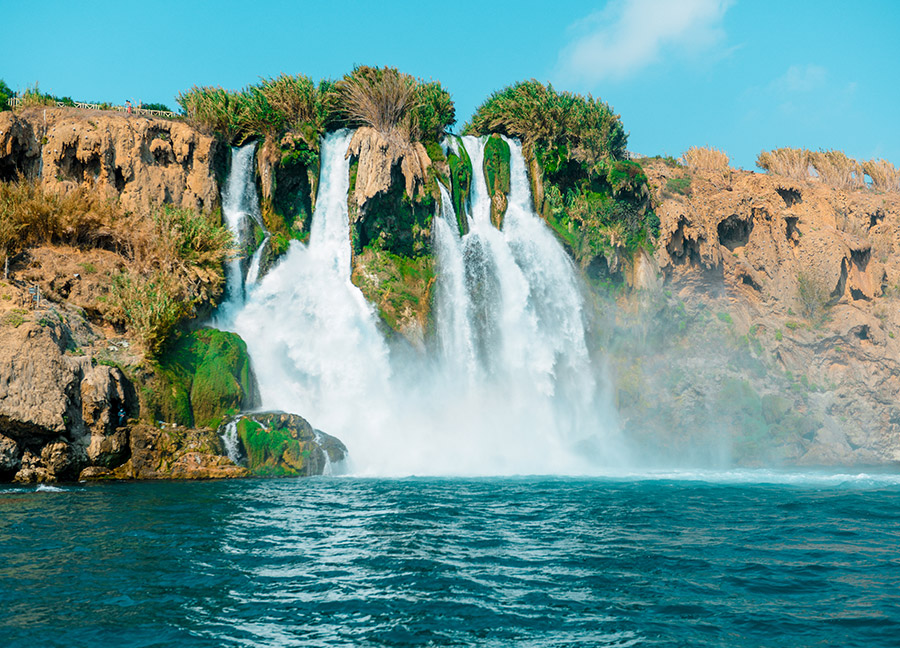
column 508, row 387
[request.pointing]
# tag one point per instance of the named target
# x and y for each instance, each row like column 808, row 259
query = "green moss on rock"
column 460, row 184
column 202, row 377
column 496, row 175
column 399, row 286
column 277, row 444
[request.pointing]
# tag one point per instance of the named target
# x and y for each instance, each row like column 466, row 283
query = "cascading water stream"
column 240, row 211
column 510, row 387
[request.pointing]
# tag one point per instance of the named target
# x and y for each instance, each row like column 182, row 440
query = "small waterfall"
column 232, row 443
column 240, row 211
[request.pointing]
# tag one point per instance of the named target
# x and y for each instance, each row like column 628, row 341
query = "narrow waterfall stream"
column 240, row 211
column 509, row 386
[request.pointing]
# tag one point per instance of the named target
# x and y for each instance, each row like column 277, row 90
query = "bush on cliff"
column 5, row 94
column 172, row 259
column 596, row 200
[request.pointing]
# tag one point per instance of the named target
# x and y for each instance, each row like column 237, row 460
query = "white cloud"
column 801, row 78
column 629, row 35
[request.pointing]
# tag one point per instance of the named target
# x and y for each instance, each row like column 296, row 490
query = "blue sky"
column 740, row 75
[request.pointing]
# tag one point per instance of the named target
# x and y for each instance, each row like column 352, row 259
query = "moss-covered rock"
column 460, row 184
column 199, row 379
column 277, row 444
column 496, row 176
column 399, row 286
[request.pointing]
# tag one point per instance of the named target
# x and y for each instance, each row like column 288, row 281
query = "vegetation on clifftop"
column 595, row 199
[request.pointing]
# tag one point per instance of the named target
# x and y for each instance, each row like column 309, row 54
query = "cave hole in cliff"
column 747, row 280
column 861, row 258
column 72, row 168
column 875, row 218
column 790, row 229
column 838, row 291
column 119, row 179
column 790, row 197
column 857, row 294
column 734, row 232
column 862, row 332
column 18, row 163
column 683, row 249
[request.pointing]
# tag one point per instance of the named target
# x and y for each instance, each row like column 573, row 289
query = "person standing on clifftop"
column 128, row 106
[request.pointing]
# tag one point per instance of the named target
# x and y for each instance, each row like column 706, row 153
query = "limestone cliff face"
column 141, row 161
column 59, row 412
column 781, row 300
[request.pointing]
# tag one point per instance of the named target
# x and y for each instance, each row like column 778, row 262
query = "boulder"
column 284, row 445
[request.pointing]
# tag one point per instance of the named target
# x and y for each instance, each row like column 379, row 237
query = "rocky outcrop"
column 141, row 161
column 775, row 290
column 172, row 452
column 285, row 445
column 59, row 412
column 378, row 154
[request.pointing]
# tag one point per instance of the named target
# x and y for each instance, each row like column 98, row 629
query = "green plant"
column 5, row 95
column 813, row 297
column 725, row 317
column 151, row 307
column 680, row 185
column 778, row 335
column 585, row 128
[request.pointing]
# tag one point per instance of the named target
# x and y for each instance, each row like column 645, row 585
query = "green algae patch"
column 496, row 175
column 202, row 377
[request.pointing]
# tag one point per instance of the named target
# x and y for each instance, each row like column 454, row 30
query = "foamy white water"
column 509, row 388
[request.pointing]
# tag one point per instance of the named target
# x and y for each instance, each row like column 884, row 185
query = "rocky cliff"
column 138, row 161
column 767, row 325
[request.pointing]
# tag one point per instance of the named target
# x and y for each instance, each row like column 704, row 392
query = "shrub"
column 391, row 101
column 679, row 185
column 5, row 94
column 813, row 297
column 884, row 175
column 838, row 170
column 584, row 128
column 789, row 162
column 156, row 106
column 151, row 307
column 215, row 109
column 704, row 158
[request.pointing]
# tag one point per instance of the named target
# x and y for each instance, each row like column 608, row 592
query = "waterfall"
column 231, row 441
column 240, row 211
column 508, row 387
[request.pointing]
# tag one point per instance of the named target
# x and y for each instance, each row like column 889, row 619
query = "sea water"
column 678, row 559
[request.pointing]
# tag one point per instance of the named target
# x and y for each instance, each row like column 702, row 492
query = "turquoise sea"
column 704, row 559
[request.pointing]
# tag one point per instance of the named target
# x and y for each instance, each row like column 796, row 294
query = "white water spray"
column 510, row 389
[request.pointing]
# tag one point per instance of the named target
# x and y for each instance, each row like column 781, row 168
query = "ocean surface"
column 703, row 559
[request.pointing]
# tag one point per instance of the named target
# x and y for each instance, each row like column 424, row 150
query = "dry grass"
column 884, row 175
column 704, row 158
column 836, row 169
column 790, row 162
column 173, row 256
column 382, row 98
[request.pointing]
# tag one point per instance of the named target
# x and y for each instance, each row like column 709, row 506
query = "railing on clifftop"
column 17, row 102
